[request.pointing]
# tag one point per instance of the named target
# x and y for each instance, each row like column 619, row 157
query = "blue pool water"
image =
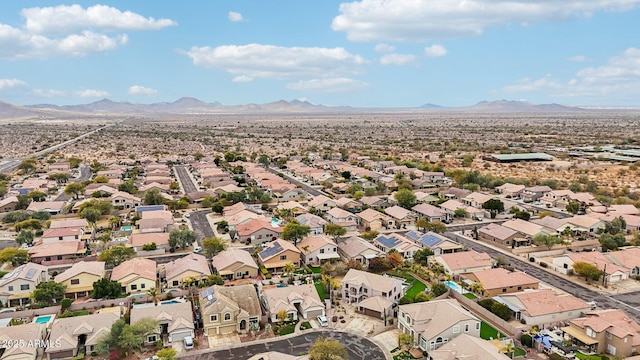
column 170, row 302
column 454, row 286
column 281, row 285
column 126, row 228
column 544, row 339
column 43, row 319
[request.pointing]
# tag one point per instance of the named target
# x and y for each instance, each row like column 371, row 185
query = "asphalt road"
column 187, row 184
column 628, row 302
column 9, row 165
column 85, row 174
column 359, row 348
column 201, row 225
column 304, row 186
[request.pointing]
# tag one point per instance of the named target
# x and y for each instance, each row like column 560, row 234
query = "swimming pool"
column 170, row 302
column 454, row 286
column 126, row 228
column 42, row 319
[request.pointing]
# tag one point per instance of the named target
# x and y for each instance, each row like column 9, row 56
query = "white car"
column 188, row 342
column 154, row 357
column 197, row 249
column 323, row 320
column 187, row 215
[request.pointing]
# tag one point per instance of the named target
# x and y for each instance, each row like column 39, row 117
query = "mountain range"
column 188, row 105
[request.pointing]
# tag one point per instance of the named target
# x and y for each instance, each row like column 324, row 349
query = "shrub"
column 543, row 264
column 526, row 340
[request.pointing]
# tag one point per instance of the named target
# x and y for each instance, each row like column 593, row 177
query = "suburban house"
column 229, row 309
column 17, row 285
column 405, row 247
column 135, row 275
column 175, row 321
column 348, row 204
column 358, row 285
column 357, row 249
column 314, row 222
column 470, row 212
column 543, row 306
column 80, row 277
column 454, row 193
column 342, row 218
column 501, row 235
column 612, row 271
column 628, row 258
column 257, row 231
column 322, row 203
column 62, row 252
column 139, row 240
column 465, row 346
column 435, row 242
column 78, row 334
column 99, row 190
column 534, row 193
column 277, row 254
column 509, row 190
column 556, row 198
column 476, row 199
column 8, row 204
column 463, row 262
column 527, row 229
column 293, row 207
column 235, row 264
column 374, row 220
column 295, row 300
column 52, row 236
column 401, row 216
column 30, row 333
column 124, row 200
column 69, row 223
column 500, row 281
column 191, row 266
column 605, row 331
column 586, row 224
column 434, row 323
column 52, row 207
column 431, row 213
column 375, row 201
column 316, row 248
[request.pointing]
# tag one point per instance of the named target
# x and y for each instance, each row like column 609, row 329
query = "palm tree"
column 508, row 348
column 114, row 221
column 289, row 268
column 153, row 294
column 477, row 288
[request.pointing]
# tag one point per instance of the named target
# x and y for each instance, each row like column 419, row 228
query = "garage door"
column 313, row 313
column 373, row 313
column 179, row 335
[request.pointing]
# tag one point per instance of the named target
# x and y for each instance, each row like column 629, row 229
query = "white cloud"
column 421, row 21
column 63, row 18
column 269, row 61
column 71, row 31
column 242, row 79
column 235, row 16
column 90, row 93
column 578, row 58
column 397, row 59
column 435, row 51
column 384, row 48
column 48, row 93
column 331, row 85
column 141, row 90
column 11, row 83
column 618, row 80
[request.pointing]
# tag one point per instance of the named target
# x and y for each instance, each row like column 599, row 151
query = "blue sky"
column 369, row 53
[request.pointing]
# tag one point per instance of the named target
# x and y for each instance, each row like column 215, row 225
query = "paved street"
column 201, row 225
column 304, row 186
column 85, row 174
column 359, row 348
column 185, row 180
column 628, row 302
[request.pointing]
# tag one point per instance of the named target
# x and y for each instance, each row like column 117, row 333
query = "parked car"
column 197, row 249
column 323, row 320
column 188, row 342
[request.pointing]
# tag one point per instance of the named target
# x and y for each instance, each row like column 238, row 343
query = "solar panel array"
column 388, row 242
column 273, row 249
column 150, row 208
column 413, row 235
column 208, row 294
column 430, row 240
column 30, row 273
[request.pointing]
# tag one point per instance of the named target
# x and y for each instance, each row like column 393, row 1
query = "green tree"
column 213, row 279
column 14, row 256
column 334, row 230
column 264, row 160
column 15, row 216
column 197, row 156
column 106, row 289
column 405, row 198
column 208, row 202
column 358, row 195
column 28, row 165
column 573, row 207
column 101, row 179
column 610, row 242
column 34, row 224
column 327, row 349
column 117, row 254
column 103, row 206
column 59, row 178
column 110, row 340
column 588, row 271
column 422, row 256
column 25, row 237
column 213, row 245
column 133, row 336
column 460, row 213
column 436, row 226
column 41, row 215
column 48, row 293
column 422, row 223
column 369, row 235
column 438, row 289
column 494, row 206
column 37, row 195
column 65, row 303
column 547, row 240
column 149, row 247
column 128, row 186
column 74, row 189
column 92, row 215
column 23, row 202
column 174, row 185
column 153, row 197
column 294, row 231
column 74, row 162
column 181, row 238
column 615, row 226
column 217, row 207
column 166, row 354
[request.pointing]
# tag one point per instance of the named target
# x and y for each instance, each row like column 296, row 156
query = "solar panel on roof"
column 413, row 235
column 30, row 273
column 150, row 208
column 388, row 242
column 211, row 301
column 430, row 240
column 270, row 251
column 206, row 293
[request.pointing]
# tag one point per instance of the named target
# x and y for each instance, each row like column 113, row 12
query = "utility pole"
column 604, row 276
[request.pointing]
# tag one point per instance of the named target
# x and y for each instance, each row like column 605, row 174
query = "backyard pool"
column 170, row 302
column 43, row 319
column 454, row 286
column 126, row 228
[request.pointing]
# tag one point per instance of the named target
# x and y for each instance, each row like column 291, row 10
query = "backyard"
column 488, row 332
column 320, row 289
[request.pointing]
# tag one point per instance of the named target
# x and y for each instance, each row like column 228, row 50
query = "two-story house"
column 52, row 236
column 30, row 333
column 235, row 264
column 295, row 300
column 318, row 248
column 608, row 331
column 257, row 231
column 139, row 240
column 229, row 309
column 135, row 275
column 401, row 216
column 175, row 321
column 17, row 285
column 405, row 247
column 314, row 222
column 342, row 218
column 277, row 254
column 322, row 203
column 434, row 323
column 80, row 277
column 191, row 266
column 431, row 213
column 124, row 200
column 358, row 285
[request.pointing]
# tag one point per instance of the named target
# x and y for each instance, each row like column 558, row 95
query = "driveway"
column 359, row 348
column 201, row 225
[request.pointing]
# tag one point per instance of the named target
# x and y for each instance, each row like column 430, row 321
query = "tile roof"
column 68, row 329
column 179, row 316
column 525, row 227
column 250, row 227
column 226, row 258
column 497, row 231
column 613, row 321
column 429, row 210
column 140, row 239
column 546, row 301
column 68, row 223
column 313, row 221
column 275, row 248
column 315, row 242
column 144, row 268
column 501, row 278
column 398, row 212
column 64, row 232
column 370, row 215
column 29, row 271
column 88, row 267
column 467, row 347
column 194, row 262
column 371, row 280
column 59, row 248
column 466, row 260
column 243, row 297
column 278, row 297
column 432, row 318
column 354, row 246
column 338, row 213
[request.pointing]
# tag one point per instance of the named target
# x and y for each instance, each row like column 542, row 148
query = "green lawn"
column 470, row 296
column 305, row 325
column 415, row 288
column 320, row 289
column 487, row 332
column 582, row 356
column 80, row 313
column 315, row 269
column 287, row 329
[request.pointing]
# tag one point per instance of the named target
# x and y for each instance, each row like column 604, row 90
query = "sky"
column 368, row 53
